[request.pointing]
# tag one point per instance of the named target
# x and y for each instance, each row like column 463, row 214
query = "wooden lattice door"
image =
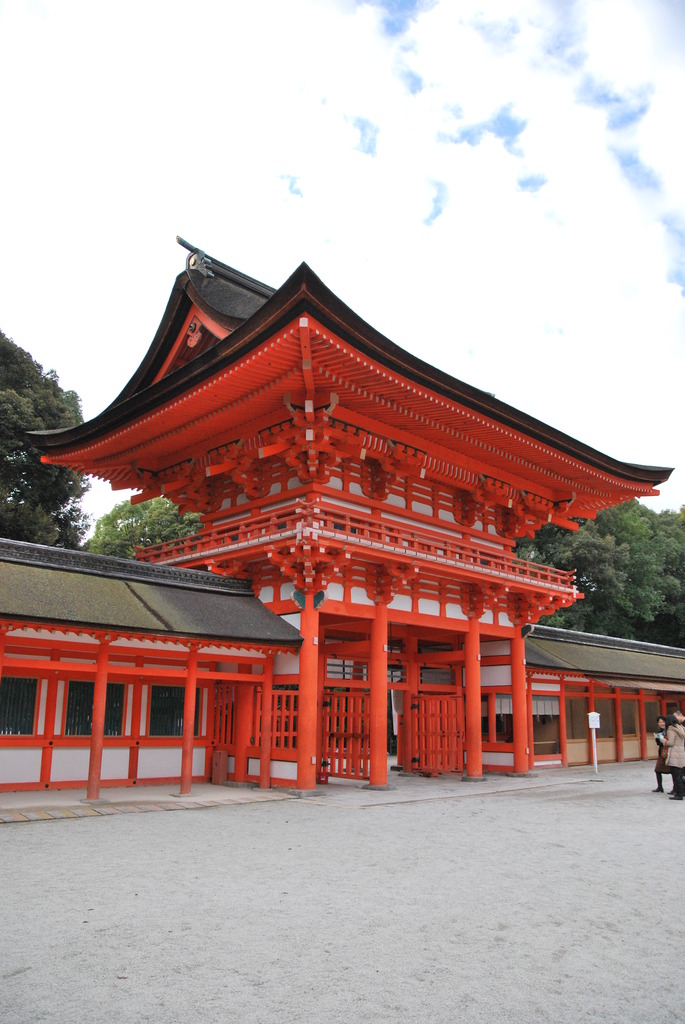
column 439, row 734
column 346, row 740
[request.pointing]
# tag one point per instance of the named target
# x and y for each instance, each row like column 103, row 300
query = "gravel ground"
column 533, row 901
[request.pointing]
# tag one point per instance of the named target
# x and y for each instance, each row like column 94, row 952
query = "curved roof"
column 241, row 314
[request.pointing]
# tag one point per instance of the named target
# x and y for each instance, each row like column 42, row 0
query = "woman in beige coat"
column 675, row 745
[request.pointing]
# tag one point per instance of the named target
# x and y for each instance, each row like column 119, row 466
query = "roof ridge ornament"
column 196, row 259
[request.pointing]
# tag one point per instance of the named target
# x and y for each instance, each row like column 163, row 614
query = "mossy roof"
column 606, row 658
column 51, row 586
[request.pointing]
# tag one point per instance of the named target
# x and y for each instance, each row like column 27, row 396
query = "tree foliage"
column 38, row 503
column 630, row 565
column 128, row 526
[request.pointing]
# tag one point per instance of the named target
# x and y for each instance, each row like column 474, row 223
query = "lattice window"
column 17, row 706
column 79, row 714
column 166, row 710
column 345, row 668
column 442, row 675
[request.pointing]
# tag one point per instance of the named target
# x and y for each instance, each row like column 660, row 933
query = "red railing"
column 313, row 524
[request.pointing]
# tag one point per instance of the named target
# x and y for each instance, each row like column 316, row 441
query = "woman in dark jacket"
column 660, row 768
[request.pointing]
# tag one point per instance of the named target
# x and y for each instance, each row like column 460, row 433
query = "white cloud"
column 241, row 127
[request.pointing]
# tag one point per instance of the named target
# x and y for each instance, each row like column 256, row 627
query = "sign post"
column 593, row 723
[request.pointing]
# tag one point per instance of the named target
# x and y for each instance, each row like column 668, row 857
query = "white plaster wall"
column 429, row 607
column 42, row 703
column 129, row 710
column 284, row 769
column 59, row 706
column 160, row 762
column 495, row 675
column 493, row 757
column 286, row 664
column 20, row 764
column 495, row 648
column 70, row 764
column 114, row 763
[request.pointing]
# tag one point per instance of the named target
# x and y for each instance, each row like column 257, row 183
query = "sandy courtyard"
column 534, row 902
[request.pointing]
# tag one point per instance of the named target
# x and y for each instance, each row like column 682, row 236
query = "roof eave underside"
column 302, row 293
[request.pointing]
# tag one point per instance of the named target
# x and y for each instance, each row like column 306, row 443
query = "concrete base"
column 474, row 778
column 367, row 785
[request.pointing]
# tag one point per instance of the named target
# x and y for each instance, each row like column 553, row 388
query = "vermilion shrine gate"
column 373, row 500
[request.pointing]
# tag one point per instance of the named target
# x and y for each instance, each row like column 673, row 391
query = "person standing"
column 675, row 743
column 660, row 768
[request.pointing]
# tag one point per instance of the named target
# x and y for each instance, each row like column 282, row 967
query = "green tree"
column 38, row 503
column 128, row 526
column 630, row 565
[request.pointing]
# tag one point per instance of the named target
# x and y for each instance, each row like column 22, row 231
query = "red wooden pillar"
column 642, row 725
column 267, row 712
column 619, row 726
column 243, row 712
column 563, row 746
column 531, row 733
column 409, row 699
column 137, row 712
column 48, row 730
column 210, row 737
column 189, row 722
column 321, row 773
column 474, row 740
column 97, row 735
column 378, row 725
column 307, row 703
column 519, row 704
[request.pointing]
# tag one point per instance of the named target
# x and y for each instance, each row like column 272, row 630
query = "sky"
column 497, row 187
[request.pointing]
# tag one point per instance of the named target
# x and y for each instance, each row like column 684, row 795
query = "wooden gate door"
column 439, row 735
column 224, row 699
column 346, row 739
